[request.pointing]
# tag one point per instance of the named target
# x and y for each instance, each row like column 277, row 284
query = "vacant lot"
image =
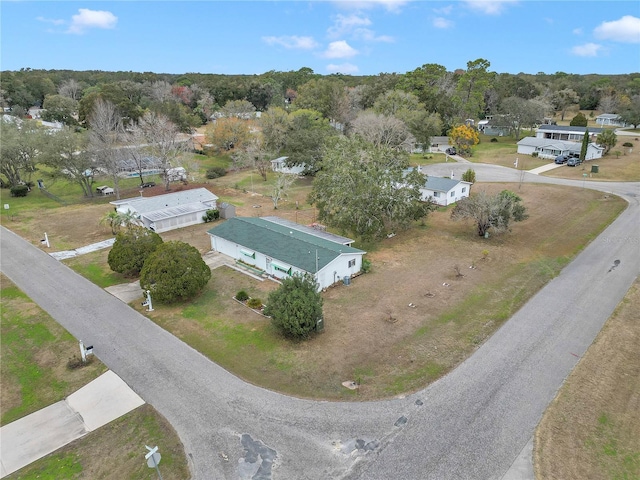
column 592, row 427
column 372, row 335
column 34, row 374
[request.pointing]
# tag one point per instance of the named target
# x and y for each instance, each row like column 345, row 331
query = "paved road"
column 469, row 425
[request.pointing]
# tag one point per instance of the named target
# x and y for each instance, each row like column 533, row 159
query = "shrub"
column 254, row 303
column 216, row 172
column 242, row 296
column 19, row 191
column 534, row 154
column 366, row 265
column 174, row 272
column 494, row 140
column 627, row 144
column 295, row 307
column 469, row 176
column 211, row 215
column 131, row 248
column 579, row 120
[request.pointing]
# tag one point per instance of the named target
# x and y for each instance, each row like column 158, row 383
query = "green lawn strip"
column 611, row 442
column 35, row 352
column 115, row 450
column 94, row 267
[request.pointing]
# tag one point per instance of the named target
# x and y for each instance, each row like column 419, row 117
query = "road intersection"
column 471, row 424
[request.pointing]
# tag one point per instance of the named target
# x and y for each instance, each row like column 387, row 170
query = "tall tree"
column 105, row 140
column 164, row 142
column 59, row 108
column 469, row 92
column 308, row 132
column 518, row 113
column 67, row 155
column 226, row 134
column 275, row 125
column 562, row 99
column 367, row 190
column 464, row 137
column 281, row 187
column 70, row 88
column 384, row 131
column 585, row 145
column 22, row 144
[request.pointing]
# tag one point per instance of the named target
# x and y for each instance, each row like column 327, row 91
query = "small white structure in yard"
column 170, row 211
column 281, row 250
column 444, row 191
column 279, row 165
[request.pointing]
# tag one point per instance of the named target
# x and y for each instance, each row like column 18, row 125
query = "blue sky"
column 350, row 36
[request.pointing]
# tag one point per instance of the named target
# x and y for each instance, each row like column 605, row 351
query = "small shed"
column 227, row 210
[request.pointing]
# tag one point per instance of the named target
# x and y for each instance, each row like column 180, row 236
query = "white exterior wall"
column 447, row 198
column 526, row 149
column 325, row 276
column 172, row 223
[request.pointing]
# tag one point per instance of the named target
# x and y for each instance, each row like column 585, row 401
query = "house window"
column 436, row 194
column 464, row 189
column 280, row 268
column 247, row 253
column 452, row 194
column 352, row 263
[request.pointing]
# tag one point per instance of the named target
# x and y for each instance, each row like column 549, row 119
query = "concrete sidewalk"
column 82, row 250
column 544, row 168
column 32, row 437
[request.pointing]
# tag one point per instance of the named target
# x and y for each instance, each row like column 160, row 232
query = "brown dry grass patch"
column 592, row 427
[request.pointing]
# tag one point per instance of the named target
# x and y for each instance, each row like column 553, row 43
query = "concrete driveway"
column 471, row 424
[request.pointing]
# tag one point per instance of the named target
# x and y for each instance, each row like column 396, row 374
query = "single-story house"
column 567, row 133
column 444, row 191
column 279, row 165
column 282, row 251
column 313, row 229
column 610, row 119
column 546, row 148
column 170, row 211
column 439, row 144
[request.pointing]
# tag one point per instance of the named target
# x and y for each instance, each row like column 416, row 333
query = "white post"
column 149, row 304
column 46, row 240
column 83, row 352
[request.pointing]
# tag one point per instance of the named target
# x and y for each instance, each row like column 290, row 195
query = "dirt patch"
column 592, row 427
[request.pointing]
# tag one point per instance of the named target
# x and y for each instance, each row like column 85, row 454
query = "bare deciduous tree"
column 70, row 88
column 384, row 131
column 281, row 187
column 105, row 137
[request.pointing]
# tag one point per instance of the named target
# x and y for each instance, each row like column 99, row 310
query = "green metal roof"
column 293, row 247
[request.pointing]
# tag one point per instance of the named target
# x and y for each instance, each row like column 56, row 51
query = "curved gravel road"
column 471, row 424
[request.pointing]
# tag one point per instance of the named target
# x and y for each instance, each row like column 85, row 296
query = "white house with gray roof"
column 170, row 211
column 282, row 250
column 444, row 191
column 547, row 148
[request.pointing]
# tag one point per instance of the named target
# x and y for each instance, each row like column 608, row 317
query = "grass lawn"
column 592, row 427
column 34, row 374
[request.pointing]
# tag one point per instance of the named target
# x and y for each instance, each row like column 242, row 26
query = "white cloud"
column 87, row 19
column 346, row 68
column 370, row 36
column 626, row 30
column 390, row 5
column 292, row 42
column 339, row 49
column 490, row 7
column 577, row 31
column 54, row 21
column 441, row 22
column 443, row 10
column 344, row 24
column 587, row 50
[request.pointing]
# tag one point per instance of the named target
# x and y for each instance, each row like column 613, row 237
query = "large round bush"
column 174, row 271
column 131, row 248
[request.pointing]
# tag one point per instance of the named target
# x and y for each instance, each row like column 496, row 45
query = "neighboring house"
column 282, row 251
column 444, row 191
column 546, row 148
column 170, row 211
column 491, row 129
column 567, row 133
column 439, row 144
column 612, row 119
column 279, row 165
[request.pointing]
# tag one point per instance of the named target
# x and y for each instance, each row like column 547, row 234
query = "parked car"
column 148, row 184
column 560, row 159
column 451, row 151
column 573, row 162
